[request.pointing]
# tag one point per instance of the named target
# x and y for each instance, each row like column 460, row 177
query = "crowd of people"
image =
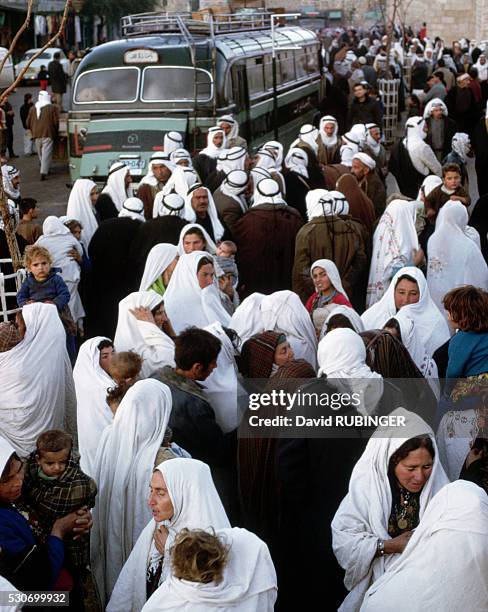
column 149, row 315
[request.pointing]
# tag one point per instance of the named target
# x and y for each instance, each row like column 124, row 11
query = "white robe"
column 81, row 209
column 246, row 320
column 249, row 582
column 362, row 517
column 93, row 412
column 452, row 537
column 154, row 346
column 196, row 505
column 36, row 384
column 124, row 464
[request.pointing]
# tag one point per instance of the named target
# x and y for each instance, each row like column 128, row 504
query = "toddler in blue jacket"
column 43, row 283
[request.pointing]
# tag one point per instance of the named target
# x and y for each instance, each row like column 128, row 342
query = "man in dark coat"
column 364, row 108
column 265, row 238
column 440, row 127
column 58, row 79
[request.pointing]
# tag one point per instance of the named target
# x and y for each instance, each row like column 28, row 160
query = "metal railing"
column 19, row 278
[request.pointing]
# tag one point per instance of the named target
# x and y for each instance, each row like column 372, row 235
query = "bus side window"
column 239, row 87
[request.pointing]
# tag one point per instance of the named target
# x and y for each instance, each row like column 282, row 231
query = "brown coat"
column 329, row 155
column 46, row 125
column 360, row 206
column 374, row 188
column 228, row 209
column 339, row 239
column 437, row 198
column 146, row 193
column 265, row 238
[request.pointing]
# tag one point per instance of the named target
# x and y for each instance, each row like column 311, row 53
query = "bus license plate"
column 136, row 166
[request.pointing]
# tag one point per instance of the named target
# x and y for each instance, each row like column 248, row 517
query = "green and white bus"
column 172, row 72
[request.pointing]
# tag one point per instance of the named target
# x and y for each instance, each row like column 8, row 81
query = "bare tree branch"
column 17, row 36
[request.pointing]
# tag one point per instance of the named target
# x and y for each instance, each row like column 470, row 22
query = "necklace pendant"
column 402, row 523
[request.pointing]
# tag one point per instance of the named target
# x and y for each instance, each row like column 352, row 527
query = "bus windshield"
column 107, row 85
column 175, row 84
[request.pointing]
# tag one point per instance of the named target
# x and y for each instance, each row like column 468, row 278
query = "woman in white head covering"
column 222, row 386
column 172, row 141
column 168, row 204
column 395, row 244
column 118, row 186
column 454, row 259
column 198, row 240
column 211, row 212
column 124, row 463
column 192, row 296
column 36, row 382
column 59, row 241
column 246, row 320
column 193, row 504
column 344, row 311
column 283, row 311
column 133, row 208
column 408, row 289
column 160, row 263
column 81, row 203
column 143, row 335
column 373, row 523
column 248, row 582
column 93, row 412
column 455, row 521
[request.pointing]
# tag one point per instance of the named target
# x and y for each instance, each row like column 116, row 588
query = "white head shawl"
column 81, row 209
column 258, row 174
column 278, row 150
column 58, row 240
column 168, row 204
column 115, row 186
column 362, row 517
column 6, row 451
column 342, row 356
column 179, row 182
column 93, row 413
column 297, row 161
column 454, row 259
column 8, row 174
column 172, row 141
column 283, row 311
column 43, row 99
column 235, row 186
column 180, row 154
column 124, row 465
column 308, row 134
column 232, row 159
column 328, row 141
column 414, row 130
column 373, row 144
column 341, row 205
column 429, row 184
column 234, row 129
column 461, row 145
column 151, row 343
column 323, row 203
column 394, row 239
column 267, row 191
column 13, row 213
column 332, row 272
column 455, row 520
column 212, row 150
column 159, row 158
column 211, row 247
column 158, row 259
column 358, row 134
column 196, row 505
column 246, row 320
column 35, row 399
column 365, row 159
column 413, row 343
column 191, row 216
column 426, row 315
column 222, row 385
column 133, row 208
column 249, row 581
column 266, row 159
column 435, row 103
column 349, row 313
column 186, row 302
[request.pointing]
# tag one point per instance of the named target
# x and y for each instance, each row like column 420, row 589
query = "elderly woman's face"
column 283, row 354
column 11, row 487
column 159, row 500
column 414, row 471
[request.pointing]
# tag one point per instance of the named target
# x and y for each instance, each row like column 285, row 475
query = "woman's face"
column 283, row 354
column 105, row 357
column 406, row 292
column 11, row 489
column 160, row 317
column 205, row 276
column 168, row 273
column 193, row 242
column 159, row 500
column 94, row 196
column 414, row 471
column 321, row 280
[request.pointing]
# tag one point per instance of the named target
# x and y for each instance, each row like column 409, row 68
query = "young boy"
column 27, row 227
column 54, row 486
column 451, row 189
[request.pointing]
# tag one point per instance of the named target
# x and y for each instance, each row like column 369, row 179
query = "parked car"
column 43, row 60
column 7, row 75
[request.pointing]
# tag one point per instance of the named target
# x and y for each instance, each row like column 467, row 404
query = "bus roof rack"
column 164, row 22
